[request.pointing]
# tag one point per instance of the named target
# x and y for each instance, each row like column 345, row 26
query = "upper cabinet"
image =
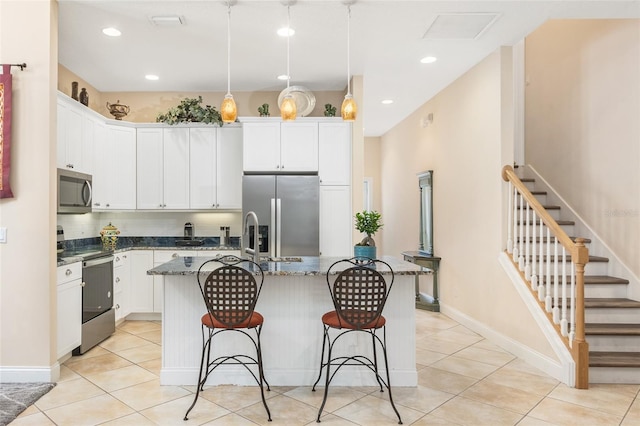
column 215, row 168
column 163, row 168
column 75, row 135
column 114, row 179
column 272, row 146
column 334, row 164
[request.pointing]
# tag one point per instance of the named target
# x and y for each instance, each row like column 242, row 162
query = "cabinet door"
column 122, row 166
column 229, row 170
column 101, row 168
column 69, row 314
column 334, row 153
column 336, row 223
column 141, row 284
column 299, row 147
column 89, row 125
column 176, row 168
column 202, row 168
column 121, row 281
column 69, row 144
column 149, row 169
column 261, row 147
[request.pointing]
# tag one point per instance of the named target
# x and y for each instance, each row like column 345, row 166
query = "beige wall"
column 27, row 260
column 583, row 123
column 372, row 162
column 465, row 146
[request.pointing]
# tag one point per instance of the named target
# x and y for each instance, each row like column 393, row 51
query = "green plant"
column 368, row 222
column 263, row 110
column 190, row 110
column 329, row 110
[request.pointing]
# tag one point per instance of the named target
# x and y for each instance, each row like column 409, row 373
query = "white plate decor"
column 305, row 99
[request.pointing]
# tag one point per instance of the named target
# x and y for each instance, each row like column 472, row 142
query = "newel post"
column 580, row 347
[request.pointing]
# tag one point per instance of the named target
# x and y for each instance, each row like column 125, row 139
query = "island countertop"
column 305, row 265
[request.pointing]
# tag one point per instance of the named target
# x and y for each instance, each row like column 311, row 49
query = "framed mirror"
column 425, row 180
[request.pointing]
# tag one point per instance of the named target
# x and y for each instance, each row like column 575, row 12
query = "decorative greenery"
column 263, row 110
column 329, row 110
column 368, row 222
column 190, row 110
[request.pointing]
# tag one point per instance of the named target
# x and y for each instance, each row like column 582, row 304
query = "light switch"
column 3, row 234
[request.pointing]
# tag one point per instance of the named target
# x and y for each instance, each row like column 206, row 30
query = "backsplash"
column 78, row 244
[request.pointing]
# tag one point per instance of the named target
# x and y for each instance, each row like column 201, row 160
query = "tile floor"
column 463, row 380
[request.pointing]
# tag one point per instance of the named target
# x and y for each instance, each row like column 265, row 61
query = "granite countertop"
column 307, row 265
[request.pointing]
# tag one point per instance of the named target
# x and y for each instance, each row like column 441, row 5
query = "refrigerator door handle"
column 278, row 226
column 272, row 240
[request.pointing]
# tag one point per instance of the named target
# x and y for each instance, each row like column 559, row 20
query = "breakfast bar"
column 294, row 297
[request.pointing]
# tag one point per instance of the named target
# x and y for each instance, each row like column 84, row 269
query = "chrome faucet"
column 255, row 251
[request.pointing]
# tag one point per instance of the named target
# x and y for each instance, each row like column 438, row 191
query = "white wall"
column 27, row 260
column 583, row 123
column 466, row 145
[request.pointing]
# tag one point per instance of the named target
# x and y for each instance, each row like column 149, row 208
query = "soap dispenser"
column 188, row 231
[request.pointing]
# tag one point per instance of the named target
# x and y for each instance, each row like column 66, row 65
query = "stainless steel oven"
column 98, row 315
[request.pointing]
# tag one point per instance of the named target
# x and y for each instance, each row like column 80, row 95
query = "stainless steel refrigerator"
column 288, row 209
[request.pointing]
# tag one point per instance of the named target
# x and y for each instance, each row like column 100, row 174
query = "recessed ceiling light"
column 387, row 101
column 111, row 32
column 283, row 77
column 428, row 59
column 151, row 77
column 168, row 20
column 286, row 32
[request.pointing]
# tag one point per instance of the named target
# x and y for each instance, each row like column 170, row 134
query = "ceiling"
column 388, row 39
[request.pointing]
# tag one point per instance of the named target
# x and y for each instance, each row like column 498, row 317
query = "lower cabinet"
column 121, row 285
column 69, row 308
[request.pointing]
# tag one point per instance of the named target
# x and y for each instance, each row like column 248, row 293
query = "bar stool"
column 359, row 294
column 230, row 294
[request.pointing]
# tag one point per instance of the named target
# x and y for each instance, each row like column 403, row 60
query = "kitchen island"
column 294, row 297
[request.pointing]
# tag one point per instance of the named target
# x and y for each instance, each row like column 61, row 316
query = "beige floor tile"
column 230, row 420
column 67, row 374
column 426, row 357
column 614, row 399
column 522, row 366
column 485, row 356
column 120, row 378
column 436, row 344
column 284, row 411
column 135, row 419
column 172, row 412
column 468, row 412
column 338, row 396
column 36, row 419
column 455, row 335
column 509, row 398
column 530, row 421
column 234, row 398
column 152, row 336
column 148, row 394
column 431, row 420
column 137, row 327
column 154, row 366
column 464, row 330
column 123, row 341
column 465, row 367
column 141, row 353
column 564, row 413
column 420, row 398
column 98, row 364
column 485, row 344
column 633, row 415
column 68, row 392
column 376, row 411
column 444, row 381
column 97, row 410
column 32, row 409
column 515, row 378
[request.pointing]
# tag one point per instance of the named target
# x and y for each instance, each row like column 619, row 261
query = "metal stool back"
column 230, row 293
column 359, row 294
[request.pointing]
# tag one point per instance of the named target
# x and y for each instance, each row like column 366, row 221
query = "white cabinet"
column 336, row 223
column 334, row 146
column 74, row 136
column 121, row 285
column 163, row 168
column 215, row 167
column 141, row 284
column 280, row 147
column 69, row 308
column 114, row 180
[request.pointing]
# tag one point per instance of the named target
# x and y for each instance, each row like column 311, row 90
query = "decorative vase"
column 364, row 251
column 109, row 236
column 74, row 90
column 84, row 97
column 118, row 110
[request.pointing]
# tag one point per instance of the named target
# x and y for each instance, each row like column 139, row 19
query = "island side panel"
column 291, row 335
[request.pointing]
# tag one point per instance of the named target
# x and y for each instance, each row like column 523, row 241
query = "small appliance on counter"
column 225, row 237
column 188, row 231
column 59, row 241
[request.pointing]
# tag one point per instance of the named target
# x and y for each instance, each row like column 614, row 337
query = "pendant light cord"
column 348, row 49
column 228, row 47
column 288, row 38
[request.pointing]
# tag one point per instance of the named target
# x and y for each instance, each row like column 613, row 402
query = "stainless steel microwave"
column 74, row 192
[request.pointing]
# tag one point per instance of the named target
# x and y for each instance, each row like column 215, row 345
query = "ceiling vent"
column 167, row 20
column 465, row 26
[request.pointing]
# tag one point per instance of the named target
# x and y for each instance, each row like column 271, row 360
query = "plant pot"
column 364, row 251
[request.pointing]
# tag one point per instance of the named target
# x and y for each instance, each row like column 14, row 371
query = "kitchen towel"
column 5, row 131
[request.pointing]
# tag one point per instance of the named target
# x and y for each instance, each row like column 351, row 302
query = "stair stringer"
column 597, row 247
column 562, row 369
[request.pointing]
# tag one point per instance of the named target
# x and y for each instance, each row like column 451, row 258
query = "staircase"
column 612, row 321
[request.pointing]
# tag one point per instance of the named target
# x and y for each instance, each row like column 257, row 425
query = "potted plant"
column 190, row 110
column 367, row 222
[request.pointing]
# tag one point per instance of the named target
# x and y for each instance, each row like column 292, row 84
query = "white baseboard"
column 30, row 374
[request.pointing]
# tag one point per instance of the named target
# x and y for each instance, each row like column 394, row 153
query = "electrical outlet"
column 3, row 235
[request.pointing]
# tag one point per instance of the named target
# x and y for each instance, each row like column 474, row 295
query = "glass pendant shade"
column 228, row 109
column 349, row 108
column 288, row 109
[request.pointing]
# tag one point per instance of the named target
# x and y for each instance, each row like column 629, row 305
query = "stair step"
column 544, row 239
column 592, row 259
column 600, row 303
column 559, row 222
column 614, row 359
column 596, row 279
column 612, row 329
column 549, row 207
column 539, row 192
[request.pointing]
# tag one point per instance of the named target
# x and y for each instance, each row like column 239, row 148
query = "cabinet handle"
column 108, row 205
column 83, row 284
column 96, row 204
column 117, row 279
column 282, row 166
column 118, row 306
column 174, row 255
column 278, row 166
column 68, row 272
column 117, row 258
column 124, row 256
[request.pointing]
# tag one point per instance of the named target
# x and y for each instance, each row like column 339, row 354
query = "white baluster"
column 556, row 307
column 527, row 260
column 509, row 219
column 572, row 314
column 521, row 251
column 516, row 250
column 534, row 277
column 540, row 262
column 547, row 301
column 564, row 324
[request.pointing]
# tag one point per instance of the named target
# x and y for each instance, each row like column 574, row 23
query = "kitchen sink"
column 189, row 243
column 281, row 259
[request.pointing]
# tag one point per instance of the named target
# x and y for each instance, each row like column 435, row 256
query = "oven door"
column 97, row 287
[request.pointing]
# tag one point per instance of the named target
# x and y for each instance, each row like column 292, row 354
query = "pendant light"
column 228, row 109
column 349, row 108
column 288, row 109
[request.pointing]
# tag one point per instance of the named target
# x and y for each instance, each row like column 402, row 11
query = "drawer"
column 70, row 272
column 163, row 256
column 119, row 259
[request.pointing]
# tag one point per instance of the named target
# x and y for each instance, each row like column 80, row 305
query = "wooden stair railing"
column 529, row 223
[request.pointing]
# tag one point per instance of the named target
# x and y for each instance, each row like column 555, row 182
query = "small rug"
column 16, row 397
